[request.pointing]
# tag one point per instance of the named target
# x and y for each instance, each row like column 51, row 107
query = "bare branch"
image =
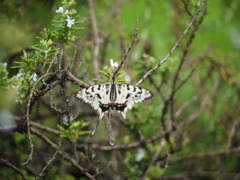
column 232, row 133
column 193, row 157
column 63, row 153
column 154, row 158
column 41, row 174
column 96, row 38
column 194, row 19
column 134, row 39
column 5, row 163
column 73, row 79
column 29, row 105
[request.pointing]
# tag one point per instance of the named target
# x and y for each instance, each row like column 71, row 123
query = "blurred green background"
column 209, row 147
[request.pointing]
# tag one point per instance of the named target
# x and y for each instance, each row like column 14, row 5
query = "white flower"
column 34, row 77
column 5, row 64
column 67, row 11
column 127, row 78
column 59, row 10
column 66, row 118
column 140, row 154
column 70, row 21
column 113, row 64
column 19, row 74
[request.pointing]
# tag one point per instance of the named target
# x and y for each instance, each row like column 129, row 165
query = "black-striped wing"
column 120, row 97
column 129, row 95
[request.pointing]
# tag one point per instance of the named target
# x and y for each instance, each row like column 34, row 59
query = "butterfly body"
column 115, row 96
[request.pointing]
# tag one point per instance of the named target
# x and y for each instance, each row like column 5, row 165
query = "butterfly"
column 113, row 96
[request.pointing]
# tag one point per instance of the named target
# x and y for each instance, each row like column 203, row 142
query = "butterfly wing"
column 128, row 95
column 97, row 96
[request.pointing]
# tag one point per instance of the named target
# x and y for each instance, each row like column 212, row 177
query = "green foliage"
column 155, row 173
column 66, row 42
column 108, row 71
column 132, row 172
column 4, row 81
column 73, row 130
column 61, row 34
column 10, row 88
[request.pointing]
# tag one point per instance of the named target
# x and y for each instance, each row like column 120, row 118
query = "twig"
column 71, row 63
column 201, row 174
column 96, row 38
column 49, row 161
column 179, row 111
column 63, row 153
column 4, row 162
column 194, row 18
column 52, row 105
column 186, row 5
column 134, row 39
column 196, row 156
column 103, row 169
column 154, row 158
column 44, row 128
column 232, row 133
column 28, row 116
column 203, row 104
column 73, row 79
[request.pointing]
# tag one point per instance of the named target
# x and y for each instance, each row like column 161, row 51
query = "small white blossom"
column 60, row 10
column 127, row 78
column 70, row 21
column 19, row 74
column 140, row 154
column 66, row 118
column 67, row 11
column 5, row 64
column 34, row 77
column 113, row 64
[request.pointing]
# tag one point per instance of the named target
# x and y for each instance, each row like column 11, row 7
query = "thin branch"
column 29, row 105
column 179, row 111
column 204, row 102
column 96, row 38
column 4, row 162
column 62, row 153
column 75, row 80
column 186, row 5
column 232, row 133
column 44, row 128
column 194, row 19
column 134, row 39
column 154, row 158
column 196, row 156
column 41, row 174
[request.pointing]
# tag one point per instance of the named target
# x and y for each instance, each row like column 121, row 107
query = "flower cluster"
column 70, row 21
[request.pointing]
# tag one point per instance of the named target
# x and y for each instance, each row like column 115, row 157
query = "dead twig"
column 29, row 105
column 134, row 39
column 194, row 19
column 96, row 39
column 154, row 158
column 65, row 155
column 3, row 162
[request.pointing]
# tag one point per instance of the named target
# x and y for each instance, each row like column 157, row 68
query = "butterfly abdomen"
column 113, row 93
